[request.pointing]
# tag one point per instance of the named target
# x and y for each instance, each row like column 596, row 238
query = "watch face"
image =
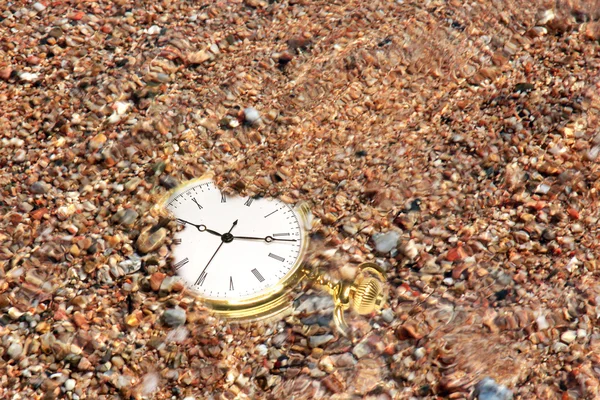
column 231, row 248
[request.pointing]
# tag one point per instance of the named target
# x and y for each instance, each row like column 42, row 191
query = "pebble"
column 126, row 216
column 69, row 384
column 28, row 77
column 5, row 73
column 39, row 7
column 542, row 323
column 488, row 389
column 386, row 242
column 263, row 350
column 316, row 341
column 419, row 352
column 149, row 241
column 568, row 337
column 174, row 317
column 39, row 188
column 361, row 350
column 388, row 315
column 251, row 116
column 154, row 30
column 14, row 350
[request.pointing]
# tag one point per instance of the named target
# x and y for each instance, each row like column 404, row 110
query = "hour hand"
column 201, row 228
column 267, row 239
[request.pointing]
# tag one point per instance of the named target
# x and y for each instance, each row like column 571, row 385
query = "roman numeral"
column 223, row 198
column 230, row 283
column 258, row 275
column 249, row 201
column 196, row 201
column 201, row 279
column 271, row 213
column 177, row 241
column 181, row 263
column 276, row 257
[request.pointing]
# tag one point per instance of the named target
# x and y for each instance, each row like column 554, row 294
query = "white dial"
column 232, row 247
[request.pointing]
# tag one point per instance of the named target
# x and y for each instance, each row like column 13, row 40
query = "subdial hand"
column 267, row 239
column 201, row 228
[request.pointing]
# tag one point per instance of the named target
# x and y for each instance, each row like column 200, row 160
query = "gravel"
column 454, row 146
column 174, row 317
column 488, row 389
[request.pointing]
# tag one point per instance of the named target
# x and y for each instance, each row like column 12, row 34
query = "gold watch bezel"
column 272, row 301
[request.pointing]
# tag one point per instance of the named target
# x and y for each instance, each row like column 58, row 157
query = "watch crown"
column 367, row 296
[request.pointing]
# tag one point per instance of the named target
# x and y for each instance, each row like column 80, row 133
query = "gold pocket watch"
column 243, row 256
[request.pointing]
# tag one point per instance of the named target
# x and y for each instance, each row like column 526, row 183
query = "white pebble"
column 419, row 353
column 386, row 242
column 29, row 77
column 542, row 189
column 120, row 107
column 251, row 115
column 154, row 30
column 568, row 336
column 39, row 7
column 448, row 281
column 262, row 349
column 69, row 384
column 542, row 323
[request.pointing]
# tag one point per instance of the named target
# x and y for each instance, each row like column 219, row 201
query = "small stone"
column 361, row 350
column 168, row 181
column 198, row 57
column 548, row 234
column 343, row 360
column 33, row 60
column 409, row 250
column 134, row 319
column 5, row 73
column 97, row 141
column 174, row 316
column 386, row 242
column 132, row 184
column 29, row 77
column 154, row 30
column 156, row 280
column 419, row 352
column 69, row 384
column 25, row 207
column 39, row 7
column 316, row 341
column 568, row 337
column 542, row 188
column 126, row 216
column 20, row 156
column 80, row 321
column 14, row 350
column 542, row 323
column 149, row 241
column 262, row 350
column 117, row 361
column 84, row 364
column 251, row 116
column 524, row 87
column 388, row 315
column 39, row 188
column 488, row 389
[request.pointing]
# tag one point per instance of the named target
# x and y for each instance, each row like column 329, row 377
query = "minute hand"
column 266, row 238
